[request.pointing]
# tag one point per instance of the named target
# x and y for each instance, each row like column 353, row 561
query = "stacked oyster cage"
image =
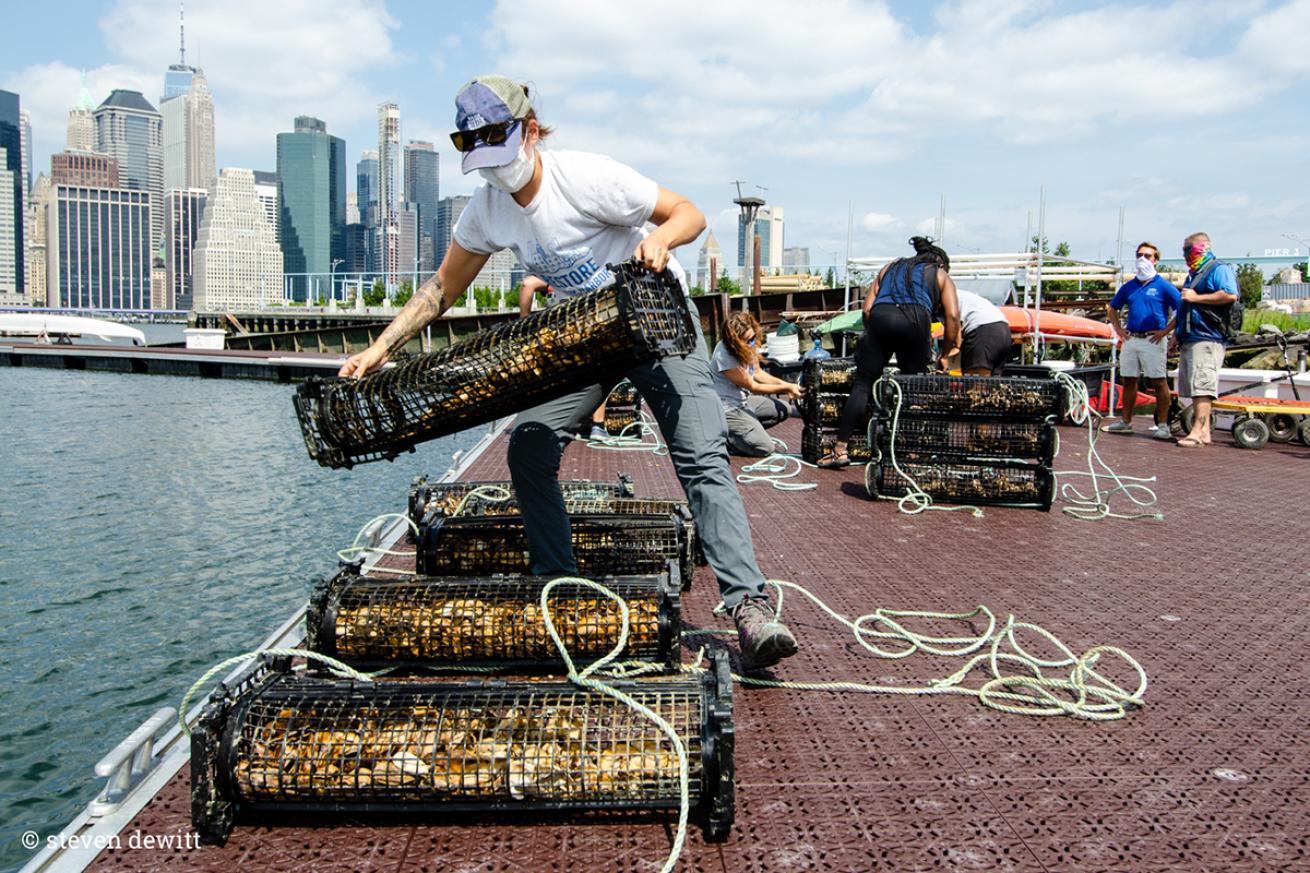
column 497, row 372
column 827, row 385
column 966, row 439
column 622, row 409
column 406, row 741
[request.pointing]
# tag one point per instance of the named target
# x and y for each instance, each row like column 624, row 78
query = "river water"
column 150, row 526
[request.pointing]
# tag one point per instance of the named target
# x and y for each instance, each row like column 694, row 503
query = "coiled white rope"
column 354, row 551
column 776, row 469
column 1096, row 505
column 633, row 438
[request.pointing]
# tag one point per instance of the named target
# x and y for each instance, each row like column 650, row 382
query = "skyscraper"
column 88, row 169
column 266, row 193
column 422, row 188
column 448, row 212
column 35, row 245
column 407, row 222
column 185, row 207
column 25, row 135
column 188, row 131
column 81, row 123
column 311, row 172
column 130, row 130
column 769, row 226
column 366, row 194
column 237, row 263
column 710, row 250
column 795, row 259
column 388, row 231
column 178, row 77
column 13, row 203
column 98, row 253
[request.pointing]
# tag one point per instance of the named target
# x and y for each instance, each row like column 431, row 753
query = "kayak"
column 1024, row 321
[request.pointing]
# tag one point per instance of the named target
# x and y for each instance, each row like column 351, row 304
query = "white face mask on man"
column 1145, row 269
column 514, row 175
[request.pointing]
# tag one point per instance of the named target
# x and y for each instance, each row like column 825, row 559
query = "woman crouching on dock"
column 566, row 215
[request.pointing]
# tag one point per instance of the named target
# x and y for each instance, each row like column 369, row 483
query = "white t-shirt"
column 976, row 310
column 732, row 395
column 589, row 212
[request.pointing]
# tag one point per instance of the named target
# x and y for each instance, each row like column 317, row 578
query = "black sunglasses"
column 491, row 134
column 1152, row 255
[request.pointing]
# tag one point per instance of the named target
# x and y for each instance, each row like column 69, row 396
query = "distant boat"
column 63, row 328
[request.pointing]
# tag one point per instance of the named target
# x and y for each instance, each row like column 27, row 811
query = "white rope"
column 776, row 469
column 633, row 438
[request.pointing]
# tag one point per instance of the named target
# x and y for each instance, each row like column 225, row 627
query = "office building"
column 81, row 123
column 34, row 243
column 709, row 251
column 388, row 231
column 188, row 135
column 236, row 262
column 179, row 77
column 352, row 208
column 448, row 212
column 266, row 193
column 13, row 200
column 311, row 174
column 769, row 227
column 98, row 253
column 356, row 260
column 422, row 188
column 130, row 130
column 407, row 222
column 796, row 259
column 185, row 208
column 87, row 169
column 366, row 194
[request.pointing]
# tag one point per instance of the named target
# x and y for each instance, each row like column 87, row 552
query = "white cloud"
column 876, row 221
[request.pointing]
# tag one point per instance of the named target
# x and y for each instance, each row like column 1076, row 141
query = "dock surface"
column 1212, row 775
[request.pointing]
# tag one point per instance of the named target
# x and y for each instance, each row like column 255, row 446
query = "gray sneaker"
column 1118, row 426
column 1163, row 432
column 764, row 641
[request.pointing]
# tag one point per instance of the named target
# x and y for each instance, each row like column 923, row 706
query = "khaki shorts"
column 1198, row 369
column 1141, row 357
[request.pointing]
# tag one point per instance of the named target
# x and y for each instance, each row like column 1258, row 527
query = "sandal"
column 834, row 460
column 1190, row 443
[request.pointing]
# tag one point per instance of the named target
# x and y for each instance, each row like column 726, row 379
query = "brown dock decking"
column 1213, row 775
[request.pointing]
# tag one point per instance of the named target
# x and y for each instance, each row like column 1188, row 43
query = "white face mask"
column 1145, row 270
column 514, row 175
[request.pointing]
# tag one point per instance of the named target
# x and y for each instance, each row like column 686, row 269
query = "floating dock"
column 171, row 361
column 1212, row 775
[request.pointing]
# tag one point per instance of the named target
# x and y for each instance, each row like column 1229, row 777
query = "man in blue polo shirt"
column 1210, row 289
column 1151, row 302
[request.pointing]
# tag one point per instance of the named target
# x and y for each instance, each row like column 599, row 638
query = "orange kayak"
column 1023, row 321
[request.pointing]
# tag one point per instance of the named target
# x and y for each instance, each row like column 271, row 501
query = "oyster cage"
column 995, row 397
column 999, row 484
column 444, row 498
column 824, row 410
column 278, row 742
column 371, row 622
column 969, row 438
column 815, row 442
column 604, row 545
column 622, row 408
column 500, row 371
column 828, row 375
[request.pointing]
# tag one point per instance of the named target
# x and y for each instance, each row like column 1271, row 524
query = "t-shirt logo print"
column 572, row 271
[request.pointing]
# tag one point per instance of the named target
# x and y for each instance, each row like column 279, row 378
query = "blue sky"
column 1190, row 115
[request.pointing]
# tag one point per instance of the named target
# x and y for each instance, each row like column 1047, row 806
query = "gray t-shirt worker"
column 748, row 414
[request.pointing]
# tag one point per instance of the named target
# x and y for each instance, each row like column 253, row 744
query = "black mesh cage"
column 500, row 371
column 971, row 396
column 622, row 407
column 444, row 498
column 828, row 375
column 816, row 442
column 280, row 742
column 824, row 410
column 372, row 622
column 993, row 484
column 604, row 544
column 969, row 438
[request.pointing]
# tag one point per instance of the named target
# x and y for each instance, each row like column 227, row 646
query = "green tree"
column 831, row 280
column 727, row 286
column 697, row 291
column 1250, row 284
column 405, row 292
column 376, row 294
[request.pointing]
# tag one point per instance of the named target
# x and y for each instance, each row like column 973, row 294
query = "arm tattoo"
column 425, row 306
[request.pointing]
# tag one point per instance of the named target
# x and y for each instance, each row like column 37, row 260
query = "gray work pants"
column 682, row 399
column 746, row 425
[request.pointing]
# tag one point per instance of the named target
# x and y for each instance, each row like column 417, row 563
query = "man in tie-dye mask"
column 1210, row 289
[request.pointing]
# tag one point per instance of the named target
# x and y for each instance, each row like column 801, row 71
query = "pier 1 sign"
column 1283, row 253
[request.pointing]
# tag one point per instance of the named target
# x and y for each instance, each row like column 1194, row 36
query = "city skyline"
column 881, row 106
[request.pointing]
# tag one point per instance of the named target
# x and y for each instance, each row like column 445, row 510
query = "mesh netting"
column 608, row 545
column 622, row 407
column 509, row 368
column 936, row 437
column 372, row 622
column 824, row 410
column 815, row 443
column 971, row 396
column 444, row 498
column 994, row 484
column 828, row 375
column 284, row 742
